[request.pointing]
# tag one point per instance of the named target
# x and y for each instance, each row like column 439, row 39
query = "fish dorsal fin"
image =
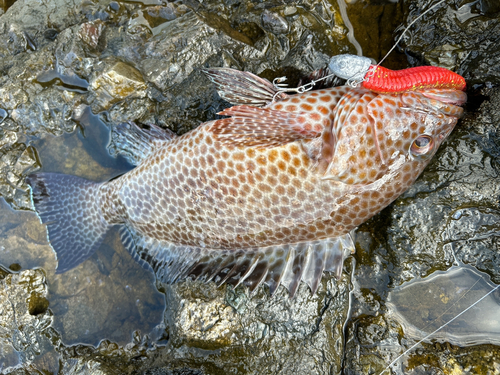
column 263, row 127
column 136, row 143
column 242, row 88
column 285, row 265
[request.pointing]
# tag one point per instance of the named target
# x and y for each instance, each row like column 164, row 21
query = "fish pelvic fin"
column 285, row 265
column 69, row 207
column 136, row 143
column 243, row 88
column 263, row 127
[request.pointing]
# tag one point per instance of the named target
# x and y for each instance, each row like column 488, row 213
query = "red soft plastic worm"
column 386, row 81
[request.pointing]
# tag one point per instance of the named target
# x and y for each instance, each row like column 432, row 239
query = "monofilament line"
column 437, row 330
column 277, row 83
column 407, row 27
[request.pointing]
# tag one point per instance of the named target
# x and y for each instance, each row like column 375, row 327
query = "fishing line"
column 350, row 34
column 438, row 329
column 352, row 81
column 407, row 28
column 454, row 304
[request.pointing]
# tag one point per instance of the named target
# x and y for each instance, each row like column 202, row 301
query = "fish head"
column 377, row 134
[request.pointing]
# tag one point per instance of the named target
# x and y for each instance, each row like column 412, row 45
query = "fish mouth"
column 454, row 97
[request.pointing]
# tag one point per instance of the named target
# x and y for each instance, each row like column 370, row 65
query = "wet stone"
column 24, row 19
column 274, row 23
column 3, row 115
column 11, row 96
column 90, row 32
column 72, row 56
column 5, row 4
column 24, row 319
column 16, row 160
column 233, row 328
column 48, row 110
column 115, row 83
column 201, row 322
column 468, row 48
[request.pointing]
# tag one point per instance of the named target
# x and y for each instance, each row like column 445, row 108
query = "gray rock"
column 274, row 23
column 24, row 319
column 462, row 36
column 228, row 329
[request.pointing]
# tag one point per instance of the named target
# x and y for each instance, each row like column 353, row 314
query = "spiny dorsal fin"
column 262, row 127
column 243, row 88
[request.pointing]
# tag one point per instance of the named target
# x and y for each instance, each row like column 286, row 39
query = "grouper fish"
column 271, row 194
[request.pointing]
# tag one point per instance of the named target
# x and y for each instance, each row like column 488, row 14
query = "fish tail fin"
column 69, row 207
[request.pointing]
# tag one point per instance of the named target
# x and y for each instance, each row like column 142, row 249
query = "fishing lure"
column 359, row 70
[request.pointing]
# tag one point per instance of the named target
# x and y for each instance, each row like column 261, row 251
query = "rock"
column 470, row 47
column 24, row 319
column 3, row 114
column 26, row 22
column 143, row 62
column 274, row 23
column 90, row 33
column 116, row 82
column 236, row 331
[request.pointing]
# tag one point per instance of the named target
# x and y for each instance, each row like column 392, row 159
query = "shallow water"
column 109, row 295
column 438, row 307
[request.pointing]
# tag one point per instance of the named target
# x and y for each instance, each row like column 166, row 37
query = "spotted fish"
column 271, row 194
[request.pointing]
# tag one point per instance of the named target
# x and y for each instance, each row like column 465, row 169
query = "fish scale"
column 265, row 195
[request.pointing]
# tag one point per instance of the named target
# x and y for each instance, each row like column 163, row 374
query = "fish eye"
column 422, row 147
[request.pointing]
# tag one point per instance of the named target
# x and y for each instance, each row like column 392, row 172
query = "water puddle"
column 6, row 4
column 449, row 307
column 63, row 82
column 3, row 115
column 109, row 296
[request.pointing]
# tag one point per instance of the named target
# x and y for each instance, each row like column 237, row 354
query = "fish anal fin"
column 263, row 127
column 243, row 88
column 338, row 249
column 285, row 265
column 136, row 143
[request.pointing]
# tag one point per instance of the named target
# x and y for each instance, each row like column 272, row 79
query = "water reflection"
column 109, row 296
column 441, row 303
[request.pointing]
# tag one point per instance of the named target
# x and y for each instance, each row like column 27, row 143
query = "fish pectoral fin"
column 242, row 88
column 262, row 127
column 136, row 143
column 285, row 265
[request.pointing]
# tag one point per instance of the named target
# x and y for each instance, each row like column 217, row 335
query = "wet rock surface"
column 461, row 36
column 239, row 333
column 134, row 61
column 24, row 320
